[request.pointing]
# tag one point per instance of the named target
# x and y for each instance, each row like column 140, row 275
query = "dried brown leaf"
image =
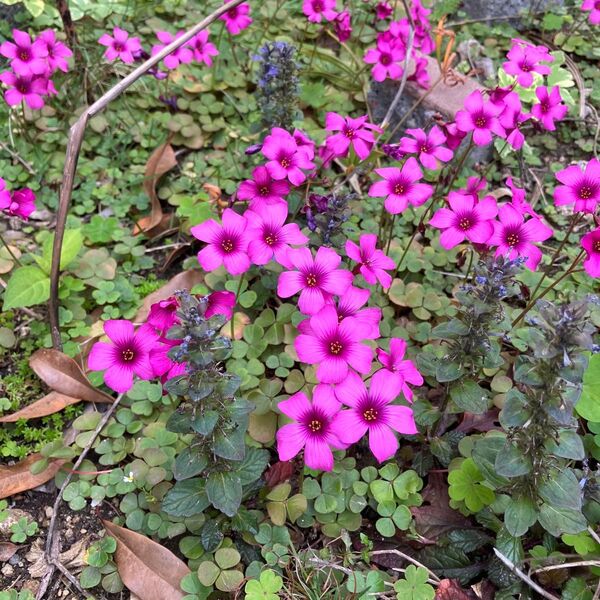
column 73, row 558
column 450, row 589
column 148, row 569
column 18, row 478
column 278, row 473
column 61, row 373
column 7, row 550
column 49, row 404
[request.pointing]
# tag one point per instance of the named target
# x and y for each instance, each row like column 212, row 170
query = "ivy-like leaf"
column 224, row 490
column 186, row 498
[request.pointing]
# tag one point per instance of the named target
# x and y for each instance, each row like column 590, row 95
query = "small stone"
column 7, row 570
column 48, row 511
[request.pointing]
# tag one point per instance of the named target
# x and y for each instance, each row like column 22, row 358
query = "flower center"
column 118, row 47
column 22, row 87
column 335, row 347
column 464, row 223
column 424, row 148
column 285, row 162
column 545, row 107
column 127, row 355
column 481, row 121
column 270, row 239
column 399, row 188
column 350, row 133
column 227, row 245
column 318, row 6
column 232, row 13
column 512, row 239
column 311, row 280
column 24, row 55
column 525, row 67
column 370, row 414
column 264, row 191
column 585, row 192
column 385, row 59
column 315, row 425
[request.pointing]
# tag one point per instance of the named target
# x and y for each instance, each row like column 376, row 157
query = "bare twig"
column 532, row 584
column 410, row 559
column 14, row 155
column 594, row 534
column 579, row 563
column 597, row 593
column 75, row 141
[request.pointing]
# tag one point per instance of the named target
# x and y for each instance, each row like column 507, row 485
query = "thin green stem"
column 391, row 234
column 17, row 261
column 237, row 295
column 472, row 253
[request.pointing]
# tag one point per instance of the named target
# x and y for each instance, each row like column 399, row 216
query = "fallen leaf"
column 6, row 260
column 61, row 373
column 18, row 478
column 484, row 422
column 182, row 281
column 7, row 550
column 49, row 404
column 240, row 321
column 73, row 558
column 450, row 589
column 278, row 473
column 161, row 161
column 148, row 569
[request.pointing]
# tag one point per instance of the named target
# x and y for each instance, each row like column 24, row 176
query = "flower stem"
column 17, row 261
column 237, row 295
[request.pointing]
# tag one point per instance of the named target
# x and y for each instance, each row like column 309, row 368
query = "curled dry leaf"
column 148, row 569
column 278, row 473
column 73, row 558
column 450, row 589
column 7, row 550
column 240, row 321
column 18, row 478
column 61, row 373
column 49, row 404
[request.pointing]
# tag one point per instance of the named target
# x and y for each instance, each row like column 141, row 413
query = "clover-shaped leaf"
column 414, row 586
column 265, row 588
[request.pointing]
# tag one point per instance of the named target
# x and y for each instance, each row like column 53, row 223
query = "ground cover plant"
column 305, row 307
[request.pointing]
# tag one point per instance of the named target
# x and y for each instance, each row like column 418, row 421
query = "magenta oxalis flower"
column 5, row 196
column 591, row 244
column 371, row 410
column 480, row 117
column 351, row 303
column 465, row 219
column 120, row 45
column 515, row 237
column 594, row 7
column 312, row 428
column 127, row 354
column 372, row 263
column 227, row 244
column 335, row 345
column 162, row 315
column 286, row 158
column 220, row 303
column 183, row 54
column 428, row 146
column 316, row 10
column 162, row 365
column 21, row 203
column 57, row 52
column 317, row 279
column 24, row 88
column 27, row 58
column 262, row 189
column 524, row 59
column 237, row 18
column 403, row 371
column 269, row 236
column 203, row 49
column 580, row 186
column 357, row 133
column 384, row 59
column 550, row 107
column 401, row 187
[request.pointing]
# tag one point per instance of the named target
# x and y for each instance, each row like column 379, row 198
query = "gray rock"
column 492, row 9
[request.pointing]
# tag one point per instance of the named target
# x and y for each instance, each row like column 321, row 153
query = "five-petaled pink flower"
column 21, row 203
column 591, row 244
column 162, row 315
column 350, row 304
column 385, row 59
column 316, row 10
column 22, row 87
column 203, row 49
column 581, row 187
column 317, row 279
column 524, row 60
column 372, row 263
column 312, row 429
column 334, row 345
column 120, row 45
column 401, row 187
column 383, row 10
column 594, row 7
column 404, row 371
column 237, row 18
column 371, row 410
column 515, row 237
column 429, row 146
column 263, row 189
column 57, row 52
column 357, row 133
column 162, row 365
column 227, row 244
column 128, row 354
column 5, row 196
column 286, row 158
column 518, row 199
column 343, row 26
column 466, row 218
column 550, row 107
column 480, row 117
column 269, row 237
column 220, row 303
column 27, row 58
column 182, row 55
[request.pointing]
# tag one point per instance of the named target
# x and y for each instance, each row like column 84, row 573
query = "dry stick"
column 15, row 156
column 579, row 563
column 532, row 584
column 75, row 141
column 410, row 559
column 597, row 593
column 594, row 534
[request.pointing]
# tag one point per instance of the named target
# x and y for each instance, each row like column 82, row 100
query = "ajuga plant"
column 216, row 465
column 326, row 216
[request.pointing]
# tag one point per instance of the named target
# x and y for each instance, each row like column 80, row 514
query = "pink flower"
column 162, row 315
column 203, row 50
column 57, row 52
column 454, row 136
column 120, row 45
column 128, row 354
column 21, row 204
column 372, row 263
column 21, row 87
column 383, row 11
column 312, row 429
column 269, row 236
column 510, row 120
column 372, row 411
column 286, row 159
column 400, row 187
column 343, row 26
column 163, row 366
column 5, row 196
column 317, row 279
column 237, row 18
column 594, row 7
column 523, row 61
column 353, row 132
column 316, row 10
column 429, row 146
column 350, row 304
column 479, row 117
column 514, row 236
column 385, row 57
column 580, row 187
column 518, row 199
column 263, row 189
column 549, row 108
column 473, row 187
column 227, row 244
column 404, row 371
column 334, row 346
column 27, row 58
column 220, row 303
column 591, row 244
column 183, row 54
column 421, row 74
column 304, row 143
column 466, row 218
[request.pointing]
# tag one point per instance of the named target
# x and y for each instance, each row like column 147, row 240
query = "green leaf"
column 589, row 402
column 211, row 535
column 570, row 445
column 26, row 287
column 414, row 586
column 465, row 485
column 90, row 577
column 230, row 444
column 205, row 423
column 191, row 462
column 253, row 465
column 576, row 589
column 557, row 521
column 34, row 7
column 469, row 396
column 385, row 527
column 510, row 546
column 561, row 489
column 208, row 572
column 519, row 515
column 186, row 498
column 511, row 462
column 448, row 371
column 224, row 490
column 72, row 244
column 227, row 558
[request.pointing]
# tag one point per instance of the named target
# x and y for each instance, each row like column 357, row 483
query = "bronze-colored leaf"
column 450, row 589
column 18, row 478
column 7, row 550
column 48, row 405
column 278, row 473
column 61, row 373
column 182, row 281
column 148, row 569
